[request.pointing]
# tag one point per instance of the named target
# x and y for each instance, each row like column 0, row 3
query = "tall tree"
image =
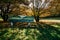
column 39, row 5
column 5, row 8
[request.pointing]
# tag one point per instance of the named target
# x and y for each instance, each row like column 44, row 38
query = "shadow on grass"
column 46, row 32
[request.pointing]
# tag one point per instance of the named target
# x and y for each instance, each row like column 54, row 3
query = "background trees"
column 21, row 7
column 10, row 6
column 5, row 8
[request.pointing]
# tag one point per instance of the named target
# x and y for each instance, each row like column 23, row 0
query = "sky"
column 39, row 4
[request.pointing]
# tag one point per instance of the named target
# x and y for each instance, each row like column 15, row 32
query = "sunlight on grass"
column 57, row 26
column 49, row 33
column 22, row 34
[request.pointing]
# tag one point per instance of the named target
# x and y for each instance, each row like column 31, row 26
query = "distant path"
column 47, row 20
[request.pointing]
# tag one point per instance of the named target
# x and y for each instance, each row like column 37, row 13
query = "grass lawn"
column 43, row 32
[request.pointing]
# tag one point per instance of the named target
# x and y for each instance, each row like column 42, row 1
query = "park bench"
column 21, row 19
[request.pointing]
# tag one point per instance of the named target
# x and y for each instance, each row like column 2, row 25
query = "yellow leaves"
column 26, row 11
column 45, row 14
column 22, row 8
column 29, row 12
column 52, row 9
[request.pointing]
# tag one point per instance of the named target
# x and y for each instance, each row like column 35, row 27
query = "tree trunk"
column 5, row 17
column 37, row 18
column 4, row 14
column 37, row 15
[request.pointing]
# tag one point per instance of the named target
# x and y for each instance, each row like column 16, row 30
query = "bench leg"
column 12, row 24
column 29, row 24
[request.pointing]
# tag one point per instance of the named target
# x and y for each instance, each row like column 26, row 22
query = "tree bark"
column 4, row 13
column 37, row 15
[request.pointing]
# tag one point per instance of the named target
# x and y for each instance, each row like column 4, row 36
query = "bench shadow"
column 47, row 32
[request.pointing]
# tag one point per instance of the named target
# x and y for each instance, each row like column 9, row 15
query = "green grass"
column 44, row 32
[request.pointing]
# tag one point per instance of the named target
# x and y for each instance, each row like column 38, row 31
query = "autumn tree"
column 39, row 5
column 5, row 8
